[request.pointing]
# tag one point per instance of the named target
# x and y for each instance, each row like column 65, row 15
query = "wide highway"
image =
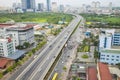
column 39, row 66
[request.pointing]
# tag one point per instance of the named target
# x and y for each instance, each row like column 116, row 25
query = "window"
column 107, row 55
column 107, row 59
column 112, row 56
column 102, row 58
column 102, row 55
column 117, row 56
column 112, row 59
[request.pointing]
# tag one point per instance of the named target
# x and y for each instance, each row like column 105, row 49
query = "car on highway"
column 35, row 56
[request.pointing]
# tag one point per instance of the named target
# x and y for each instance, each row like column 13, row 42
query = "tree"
column 96, row 55
column 19, row 62
column 78, row 78
column 19, row 47
column 64, row 68
column 9, row 69
column 118, row 65
column 85, row 56
column 26, row 44
column 1, row 75
column 33, row 50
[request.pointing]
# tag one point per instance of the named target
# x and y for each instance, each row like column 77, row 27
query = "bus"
column 55, row 76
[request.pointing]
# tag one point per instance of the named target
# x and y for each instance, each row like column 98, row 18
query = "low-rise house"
column 5, row 63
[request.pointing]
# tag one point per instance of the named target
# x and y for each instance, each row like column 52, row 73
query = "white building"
column 105, row 39
column 54, row 7
column 19, row 33
column 22, row 34
column 110, row 56
column 7, row 47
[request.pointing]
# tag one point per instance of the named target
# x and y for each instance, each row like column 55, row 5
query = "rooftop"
column 117, row 30
column 3, row 62
column 116, row 51
column 21, row 28
column 104, row 71
column 17, row 54
column 92, row 73
column 5, row 25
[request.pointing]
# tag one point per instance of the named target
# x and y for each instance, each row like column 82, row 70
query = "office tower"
column 54, row 7
column 105, row 38
column 40, row 6
column 28, row 4
column 98, row 4
column 61, row 8
column 93, row 4
column 48, row 5
column 110, row 6
column 16, row 5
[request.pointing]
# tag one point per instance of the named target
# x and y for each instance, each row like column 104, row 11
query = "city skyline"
column 77, row 3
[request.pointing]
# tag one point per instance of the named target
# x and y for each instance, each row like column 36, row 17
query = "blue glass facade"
column 105, row 42
column 48, row 5
column 28, row 4
column 116, row 39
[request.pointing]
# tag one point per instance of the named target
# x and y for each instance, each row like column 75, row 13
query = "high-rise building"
column 110, row 6
column 28, row 4
column 116, row 38
column 6, row 46
column 48, row 5
column 54, row 7
column 98, row 4
column 19, row 33
column 40, row 6
column 61, row 8
column 105, row 39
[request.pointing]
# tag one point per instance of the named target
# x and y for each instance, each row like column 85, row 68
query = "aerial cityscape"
column 59, row 40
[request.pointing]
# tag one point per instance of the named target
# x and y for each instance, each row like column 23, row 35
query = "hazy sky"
column 70, row 2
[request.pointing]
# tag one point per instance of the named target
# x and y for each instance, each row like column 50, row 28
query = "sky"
column 75, row 3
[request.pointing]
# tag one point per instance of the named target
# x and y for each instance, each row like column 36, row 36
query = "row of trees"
column 104, row 20
column 35, row 17
column 24, row 46
column 22, row 60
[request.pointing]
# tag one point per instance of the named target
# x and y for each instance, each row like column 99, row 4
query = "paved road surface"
column 39, row 67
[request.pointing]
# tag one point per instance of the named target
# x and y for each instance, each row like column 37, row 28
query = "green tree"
column 96, row 55
column 19, row 62
column 64, row 68
column 30, row 53
column 33, row 50
column 9, row 69
column 26, row 44
column 85, row 56
column 118, row 65
column 1, row 75
column 78, row 78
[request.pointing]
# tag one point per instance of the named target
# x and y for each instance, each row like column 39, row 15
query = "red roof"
column 5, row 25
column 92, row 73
column 3, row 62
column 28, row 26
column 24, row 27
column 104, row 71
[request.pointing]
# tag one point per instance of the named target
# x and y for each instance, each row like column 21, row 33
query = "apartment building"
column 7, row 47
column 110, row 56
column 20, row 33
column 105, row 39
column 116, row 38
